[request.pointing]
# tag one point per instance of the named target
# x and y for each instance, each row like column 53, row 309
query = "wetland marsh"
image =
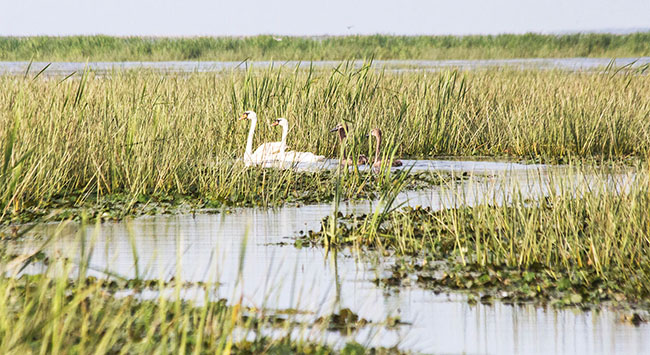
column 540, row 229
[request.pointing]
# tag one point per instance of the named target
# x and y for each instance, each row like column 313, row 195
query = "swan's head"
column 282, row 122
column 341, row 128
column 248, row 115
column 375, row 132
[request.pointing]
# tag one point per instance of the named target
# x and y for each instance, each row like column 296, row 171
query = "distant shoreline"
column 277, row 48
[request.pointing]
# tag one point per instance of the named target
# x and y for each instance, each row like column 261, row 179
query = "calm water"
column 576, row 64
column 277, row 276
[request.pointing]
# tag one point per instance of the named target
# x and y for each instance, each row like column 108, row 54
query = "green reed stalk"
column 141, row 137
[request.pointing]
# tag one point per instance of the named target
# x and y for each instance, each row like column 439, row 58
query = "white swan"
column 263, row 153
column 290, row 156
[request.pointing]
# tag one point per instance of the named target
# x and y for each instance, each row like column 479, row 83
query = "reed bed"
column 141, row 134
column 105, row 48
column 582, row 243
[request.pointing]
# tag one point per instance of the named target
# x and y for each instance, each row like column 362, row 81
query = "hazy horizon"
column 615, row 31
column 167, row 18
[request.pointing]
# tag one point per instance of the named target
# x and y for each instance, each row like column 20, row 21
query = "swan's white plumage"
column 300, row 157
column 265, row 152
column 274, row 151
column 291, row 156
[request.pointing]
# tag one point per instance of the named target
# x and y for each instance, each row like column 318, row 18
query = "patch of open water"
column 572, row 64
column 276, row 276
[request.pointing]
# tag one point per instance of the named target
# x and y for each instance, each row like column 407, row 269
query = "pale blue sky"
column 295, row 17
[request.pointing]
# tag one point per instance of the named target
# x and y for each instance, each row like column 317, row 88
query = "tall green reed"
column 141, row 134
column 592, row 218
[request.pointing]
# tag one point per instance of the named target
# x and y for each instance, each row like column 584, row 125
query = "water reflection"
column 214, row 247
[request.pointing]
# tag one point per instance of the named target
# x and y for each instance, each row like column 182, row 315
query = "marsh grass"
column 135, row 135
column 584, row 242
column 61, row 309
column 105, row 48
column 272, row 190
column 53, row 314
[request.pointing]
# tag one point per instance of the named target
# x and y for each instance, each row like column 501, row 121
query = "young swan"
column 377, row 163
column 342, row 130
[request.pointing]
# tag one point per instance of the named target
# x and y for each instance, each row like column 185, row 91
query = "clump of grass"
column 62, row 310
column 105, row 48
column 139, row 134
column 56, row 315
column 582, row 245
column 271, row 188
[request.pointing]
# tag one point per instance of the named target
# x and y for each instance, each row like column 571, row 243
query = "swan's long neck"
column 283, row 141
column 341, row 135
column 377, row 157
column 341, row 138
column 249, row 141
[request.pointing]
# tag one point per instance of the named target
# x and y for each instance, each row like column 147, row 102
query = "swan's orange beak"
column 275, row 123
column 244, row 116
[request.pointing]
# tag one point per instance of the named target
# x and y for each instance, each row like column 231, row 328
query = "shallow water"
column 573, row 64
column 449, row 166
column 277, row 276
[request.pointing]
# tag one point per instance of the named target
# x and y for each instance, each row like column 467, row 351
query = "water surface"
column 278, row 275
column 571, row 64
